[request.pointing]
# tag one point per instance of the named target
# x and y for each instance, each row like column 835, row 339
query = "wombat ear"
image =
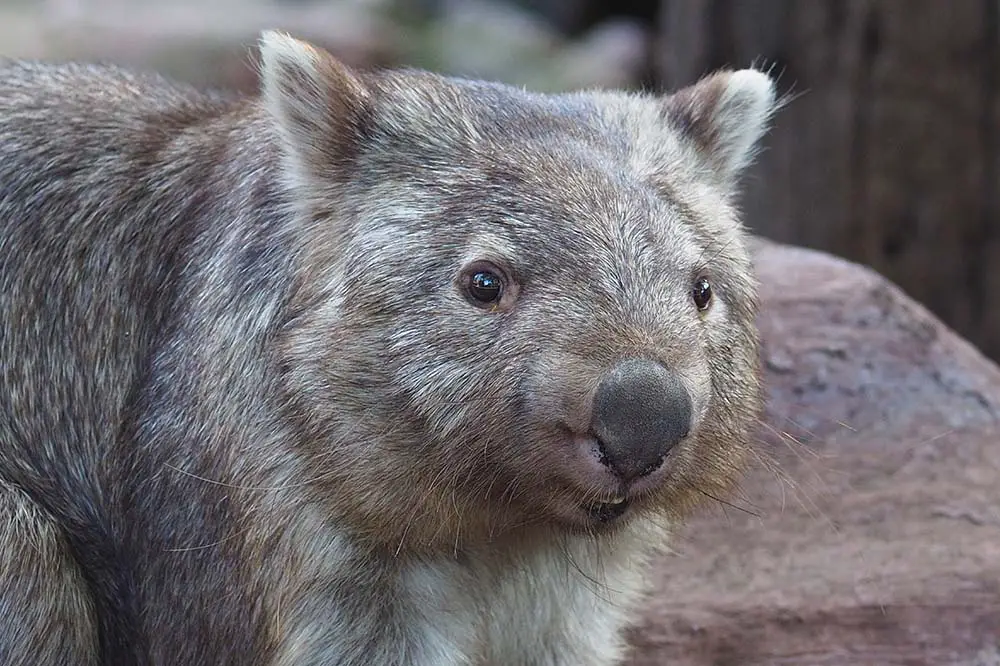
column 317, row 102
column 725, row 115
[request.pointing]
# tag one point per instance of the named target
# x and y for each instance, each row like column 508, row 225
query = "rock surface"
column 870, row 532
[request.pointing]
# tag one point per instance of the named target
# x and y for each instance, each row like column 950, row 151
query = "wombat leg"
column 47, row 614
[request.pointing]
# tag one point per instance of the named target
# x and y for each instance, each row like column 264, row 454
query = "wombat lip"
column 608, row 510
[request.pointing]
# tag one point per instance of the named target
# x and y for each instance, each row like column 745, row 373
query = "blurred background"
column 889, row 155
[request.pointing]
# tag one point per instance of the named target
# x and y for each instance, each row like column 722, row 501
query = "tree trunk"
column 890, row 154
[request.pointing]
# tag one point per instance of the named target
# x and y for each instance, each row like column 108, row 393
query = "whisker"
column 702, row 265
column 723, row 502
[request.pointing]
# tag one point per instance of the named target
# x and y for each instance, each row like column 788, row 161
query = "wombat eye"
column 487, row 286
column 702, row 293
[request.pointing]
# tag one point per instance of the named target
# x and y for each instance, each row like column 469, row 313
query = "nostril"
column 602, row 453
column 651, row 467
column 627, row 468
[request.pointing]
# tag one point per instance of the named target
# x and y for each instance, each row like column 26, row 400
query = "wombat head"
column 515, row 309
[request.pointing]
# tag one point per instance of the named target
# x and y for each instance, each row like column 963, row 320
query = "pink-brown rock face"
column 871, row 532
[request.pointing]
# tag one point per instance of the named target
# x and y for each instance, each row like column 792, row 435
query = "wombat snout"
column 641, row 410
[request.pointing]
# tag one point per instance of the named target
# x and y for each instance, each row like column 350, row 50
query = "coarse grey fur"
column 247, row 415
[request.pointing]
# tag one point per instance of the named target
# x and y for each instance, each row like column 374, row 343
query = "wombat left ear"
column 318, row 104
column 724, row 116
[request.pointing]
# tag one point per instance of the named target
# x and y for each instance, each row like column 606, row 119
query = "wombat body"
column 376, row 368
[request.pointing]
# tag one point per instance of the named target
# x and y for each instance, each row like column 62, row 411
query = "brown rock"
column 877, row 538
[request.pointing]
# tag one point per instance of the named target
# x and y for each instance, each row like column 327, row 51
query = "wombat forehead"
column 564, row 186
column 551, row 175
column 449, row 112
column 536, row 199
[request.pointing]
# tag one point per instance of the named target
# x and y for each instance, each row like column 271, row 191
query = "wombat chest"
column 564, row 603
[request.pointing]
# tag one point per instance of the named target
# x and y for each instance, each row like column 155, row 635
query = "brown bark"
column 891, row 153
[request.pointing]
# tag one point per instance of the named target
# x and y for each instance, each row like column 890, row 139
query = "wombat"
column 372, row 368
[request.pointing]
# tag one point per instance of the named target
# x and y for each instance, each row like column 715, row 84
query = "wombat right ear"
column 317, row 103
column 725, row 115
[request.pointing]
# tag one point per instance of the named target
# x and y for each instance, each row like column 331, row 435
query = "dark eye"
column 702, row 293
column 485, row 286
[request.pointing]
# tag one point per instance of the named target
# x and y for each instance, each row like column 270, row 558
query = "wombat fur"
column 374, row 368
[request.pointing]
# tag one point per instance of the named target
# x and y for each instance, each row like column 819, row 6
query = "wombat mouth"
column 605, row 512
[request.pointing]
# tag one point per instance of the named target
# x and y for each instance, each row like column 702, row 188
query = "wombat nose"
column 641, row 411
